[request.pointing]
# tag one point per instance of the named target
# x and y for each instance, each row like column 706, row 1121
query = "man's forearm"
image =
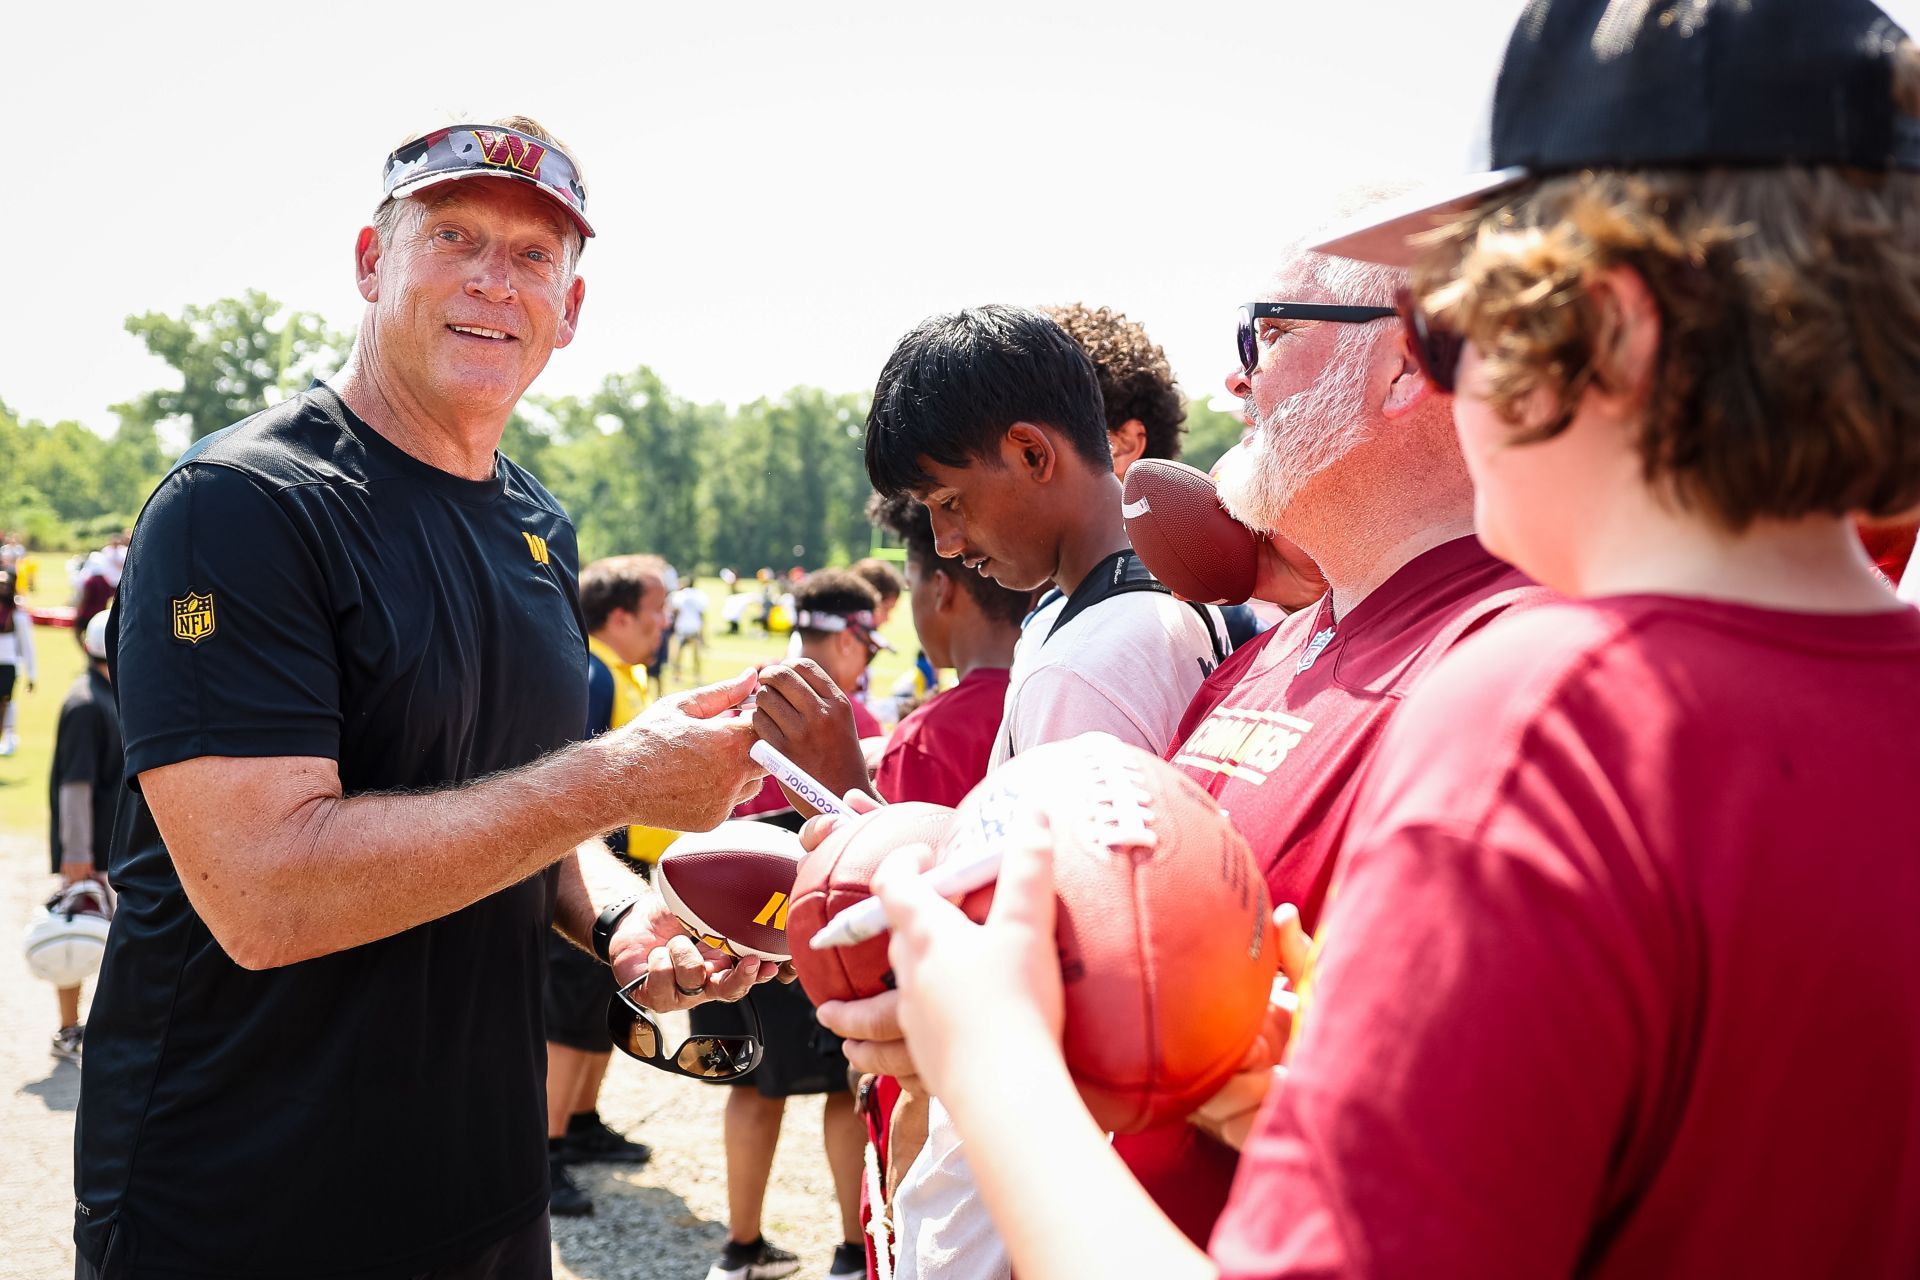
column 591, row 881
column 281, row 874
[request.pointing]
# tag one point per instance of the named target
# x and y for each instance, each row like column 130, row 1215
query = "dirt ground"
column 661, row 1222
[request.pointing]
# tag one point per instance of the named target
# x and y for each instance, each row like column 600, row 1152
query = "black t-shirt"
column 86, row 748
column 302, row 587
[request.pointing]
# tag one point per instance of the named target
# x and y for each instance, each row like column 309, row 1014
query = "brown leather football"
column 1185, row 537
column 1165, row 934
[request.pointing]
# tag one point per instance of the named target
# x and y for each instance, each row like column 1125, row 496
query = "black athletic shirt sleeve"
column 223, row 626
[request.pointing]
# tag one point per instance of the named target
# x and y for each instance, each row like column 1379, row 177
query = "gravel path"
column 662, row 1222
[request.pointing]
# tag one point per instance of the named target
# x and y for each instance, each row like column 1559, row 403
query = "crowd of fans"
column 1570, row 735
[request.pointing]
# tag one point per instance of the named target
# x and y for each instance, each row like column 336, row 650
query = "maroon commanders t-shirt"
column 1279, row 735
column 1621, row 976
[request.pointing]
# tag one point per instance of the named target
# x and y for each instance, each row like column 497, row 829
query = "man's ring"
column 683, row 991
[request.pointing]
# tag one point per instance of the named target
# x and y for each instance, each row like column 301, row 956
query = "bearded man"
column 1353, row 458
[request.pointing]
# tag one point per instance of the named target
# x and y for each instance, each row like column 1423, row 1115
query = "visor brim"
column 1386, row 232
column 418, row 185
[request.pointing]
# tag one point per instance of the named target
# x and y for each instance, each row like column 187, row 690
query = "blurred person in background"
column 623, row 602
column 83, row 793
column 835, row 626
column 18, row 661
column 886, row 583
column 688, row 609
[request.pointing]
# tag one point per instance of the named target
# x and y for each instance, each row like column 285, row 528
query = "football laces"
column 1121, row 813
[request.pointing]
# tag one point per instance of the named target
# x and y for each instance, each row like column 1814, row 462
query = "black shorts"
column 526, row 1254
column 802, row 1057
column 8, row 674
column 578, row 989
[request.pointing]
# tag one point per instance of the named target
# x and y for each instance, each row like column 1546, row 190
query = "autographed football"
column 1185, row 537
column 837, row 875
column 732, row 886
column 1165, row 934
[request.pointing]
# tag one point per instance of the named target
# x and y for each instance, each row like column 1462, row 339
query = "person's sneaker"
column 8, row 744
column 590, row 1140
column 66, row 1044
column 568, row 1200
column 756, row 1261
column 848, row 1260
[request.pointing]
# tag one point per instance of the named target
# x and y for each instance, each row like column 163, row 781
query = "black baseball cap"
column 1669, row 84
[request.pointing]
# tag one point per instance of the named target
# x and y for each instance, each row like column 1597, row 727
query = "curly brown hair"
column 1788, row 379
column 1136, row 382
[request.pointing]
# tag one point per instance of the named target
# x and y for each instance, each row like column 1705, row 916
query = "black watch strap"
column 608, row 921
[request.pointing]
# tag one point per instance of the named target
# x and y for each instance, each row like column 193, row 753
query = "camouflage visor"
column 487, row 151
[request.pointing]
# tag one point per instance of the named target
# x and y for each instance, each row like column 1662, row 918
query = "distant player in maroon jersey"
column 1617, row 974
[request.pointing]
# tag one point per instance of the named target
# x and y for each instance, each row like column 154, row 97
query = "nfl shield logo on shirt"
column 193, row 618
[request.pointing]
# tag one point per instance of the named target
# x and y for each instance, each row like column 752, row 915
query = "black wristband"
column 608, row 921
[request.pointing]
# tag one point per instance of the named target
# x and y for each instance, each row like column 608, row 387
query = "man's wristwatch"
column 608, row 921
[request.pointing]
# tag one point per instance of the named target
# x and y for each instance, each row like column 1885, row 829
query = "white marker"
column 868, row 919
column 795, row 779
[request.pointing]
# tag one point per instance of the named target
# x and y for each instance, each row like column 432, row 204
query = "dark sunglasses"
column 1257, row 311
column 1436, row 348
column 636, row 1032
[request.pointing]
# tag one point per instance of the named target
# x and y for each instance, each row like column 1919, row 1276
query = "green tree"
column 235, row 357
column 1210, row 433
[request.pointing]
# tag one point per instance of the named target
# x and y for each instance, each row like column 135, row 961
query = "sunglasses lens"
column 1249, row 355
column 632, row 1030
column 718, row 1057
column 1436, row 348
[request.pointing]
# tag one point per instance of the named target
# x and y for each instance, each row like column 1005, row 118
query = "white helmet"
column 67, row 937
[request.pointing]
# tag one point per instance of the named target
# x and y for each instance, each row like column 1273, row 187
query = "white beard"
column 1303, row 436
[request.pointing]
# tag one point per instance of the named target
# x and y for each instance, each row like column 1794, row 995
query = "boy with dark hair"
column 1146, row 412
column 966, row 622
column 992, row 419
column 623, row 603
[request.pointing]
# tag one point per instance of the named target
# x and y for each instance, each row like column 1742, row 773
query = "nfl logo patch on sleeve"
column 193, row 617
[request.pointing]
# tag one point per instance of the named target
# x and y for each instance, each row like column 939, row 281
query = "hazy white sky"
column 780, row 190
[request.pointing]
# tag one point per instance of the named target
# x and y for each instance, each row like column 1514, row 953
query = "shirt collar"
column 608, row 656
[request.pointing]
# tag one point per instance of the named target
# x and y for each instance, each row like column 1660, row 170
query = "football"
column 1165, row 934
column 837, row 875
column 1185, row 537
column 732, row 886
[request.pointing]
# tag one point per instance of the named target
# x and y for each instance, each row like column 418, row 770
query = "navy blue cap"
column 1666, row 84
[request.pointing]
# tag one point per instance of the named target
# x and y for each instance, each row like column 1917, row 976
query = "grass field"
column 23, row 776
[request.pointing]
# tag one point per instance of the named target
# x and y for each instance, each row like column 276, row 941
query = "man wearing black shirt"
column 352, row 662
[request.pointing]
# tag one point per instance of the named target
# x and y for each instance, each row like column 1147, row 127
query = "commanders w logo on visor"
column 486, row 151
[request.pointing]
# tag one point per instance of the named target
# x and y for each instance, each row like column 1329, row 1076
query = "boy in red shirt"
column 1618, row 976
column 969, row 623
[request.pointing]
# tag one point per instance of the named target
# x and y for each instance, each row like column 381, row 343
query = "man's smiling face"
column 472, row 294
